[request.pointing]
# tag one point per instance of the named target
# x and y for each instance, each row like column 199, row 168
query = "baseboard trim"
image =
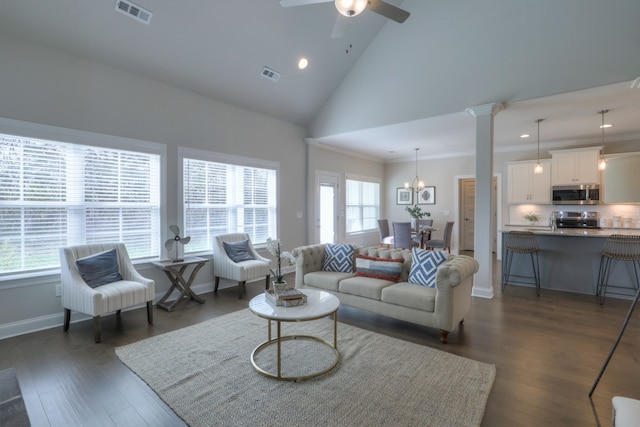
column 35, row 324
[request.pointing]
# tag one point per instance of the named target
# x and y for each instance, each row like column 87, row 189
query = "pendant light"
column 416, row 185
column 538, row 167
column 602, row 164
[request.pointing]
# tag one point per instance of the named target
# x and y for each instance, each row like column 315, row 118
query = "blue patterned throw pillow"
column 338, row 258
column 424, row 265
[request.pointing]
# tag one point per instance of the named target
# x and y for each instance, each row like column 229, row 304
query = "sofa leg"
column 215, row 287
column 443, row 336
column 96, row 329
column 462, row 321
column 67, row 319
column 150, row 312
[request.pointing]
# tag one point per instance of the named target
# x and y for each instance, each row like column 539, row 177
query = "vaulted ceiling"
column 383, row 88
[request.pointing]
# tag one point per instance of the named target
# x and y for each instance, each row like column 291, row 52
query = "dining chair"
column 445, row 242
column 419, row 236
column 386, row 239
column 402, row 236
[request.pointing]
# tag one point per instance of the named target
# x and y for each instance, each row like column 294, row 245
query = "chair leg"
column 150, row 312
column 266, row 283
column 118, row 312
column 67, row 319
column 96, row 329
column 241, row 288
column 215, row 287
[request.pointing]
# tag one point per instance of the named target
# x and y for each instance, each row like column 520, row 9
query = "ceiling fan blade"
column 290, row 3
column 185, row 240
column 175, row 229
column 387, row 10
column 169, row 244
column 340, row 27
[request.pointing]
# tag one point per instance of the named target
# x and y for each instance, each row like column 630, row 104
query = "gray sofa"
column 442, row 307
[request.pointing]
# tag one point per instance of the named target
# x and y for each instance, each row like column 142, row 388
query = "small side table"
column 175, row 271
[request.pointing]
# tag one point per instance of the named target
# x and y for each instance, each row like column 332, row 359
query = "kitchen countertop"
column 572, row 232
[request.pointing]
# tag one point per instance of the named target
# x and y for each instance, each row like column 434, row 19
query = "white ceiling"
column 217, row 48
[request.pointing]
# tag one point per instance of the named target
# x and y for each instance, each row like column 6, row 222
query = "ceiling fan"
column 351, row 8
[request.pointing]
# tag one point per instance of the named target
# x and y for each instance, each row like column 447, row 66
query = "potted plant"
column 273, row 246
column 532, row 218
column 416, row 213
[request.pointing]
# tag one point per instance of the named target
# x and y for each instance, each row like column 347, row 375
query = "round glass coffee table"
column 319, row 304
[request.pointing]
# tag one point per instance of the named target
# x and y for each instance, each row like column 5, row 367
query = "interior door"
column 468, row 211
column 468, row 208
column 327, row 219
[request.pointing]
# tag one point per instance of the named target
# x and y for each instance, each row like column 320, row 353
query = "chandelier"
column 417, row 184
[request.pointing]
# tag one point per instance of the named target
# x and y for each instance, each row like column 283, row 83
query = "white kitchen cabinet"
column 578, row 166
column 524, row 186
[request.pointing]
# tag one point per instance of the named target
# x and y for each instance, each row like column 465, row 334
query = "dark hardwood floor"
column 547, row 350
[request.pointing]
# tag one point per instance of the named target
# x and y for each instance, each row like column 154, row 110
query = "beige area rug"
column 204, row 373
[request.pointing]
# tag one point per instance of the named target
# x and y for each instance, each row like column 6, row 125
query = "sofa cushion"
column 366, row 287
column 424, row 265
column 328, row 280
column 238, row 251
column 410, row 295
column 99, row 269
column 379, row 268
column 338, row 258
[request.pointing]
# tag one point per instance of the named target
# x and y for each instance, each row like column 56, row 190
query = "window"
column 362, row 205
column 55, row 194
column 224, row 197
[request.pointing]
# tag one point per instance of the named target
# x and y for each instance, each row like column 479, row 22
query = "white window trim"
column 213, row 156
column 73, row 136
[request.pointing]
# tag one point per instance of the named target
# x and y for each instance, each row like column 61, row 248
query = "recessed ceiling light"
column 606, row 125
column 302, row 63
column 525, row 135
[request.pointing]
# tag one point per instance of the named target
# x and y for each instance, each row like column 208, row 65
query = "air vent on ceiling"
column 270, row 74
column 133, row 11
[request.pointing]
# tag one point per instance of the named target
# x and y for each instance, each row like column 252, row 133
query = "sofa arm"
column 455, row 271
column 308, row 259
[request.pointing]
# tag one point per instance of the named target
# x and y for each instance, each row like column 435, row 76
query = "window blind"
column 222, row 198
column 362, row 205
column 55, row 194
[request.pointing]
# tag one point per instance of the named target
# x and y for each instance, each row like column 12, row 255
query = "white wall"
column 48, row 87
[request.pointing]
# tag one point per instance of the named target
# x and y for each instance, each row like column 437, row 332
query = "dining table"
column 424, row 231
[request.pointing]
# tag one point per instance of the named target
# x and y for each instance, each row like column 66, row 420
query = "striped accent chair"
column 242, row 271
column 77, row 295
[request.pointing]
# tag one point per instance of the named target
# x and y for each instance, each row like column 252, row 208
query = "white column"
column 483, row 280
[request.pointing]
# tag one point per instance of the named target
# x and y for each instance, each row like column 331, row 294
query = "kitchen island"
column 570, row 258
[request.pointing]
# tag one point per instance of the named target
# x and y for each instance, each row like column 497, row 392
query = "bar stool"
column 521, row 242
column 617, row 248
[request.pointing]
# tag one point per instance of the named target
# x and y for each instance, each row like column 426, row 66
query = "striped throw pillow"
column 379, row 268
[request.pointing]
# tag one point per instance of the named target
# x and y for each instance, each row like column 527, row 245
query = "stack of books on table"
column 290, row 297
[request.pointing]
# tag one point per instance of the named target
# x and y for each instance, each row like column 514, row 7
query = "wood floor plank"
column 547, row 350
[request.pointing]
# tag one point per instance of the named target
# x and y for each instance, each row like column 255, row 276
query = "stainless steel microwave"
column 585, row 194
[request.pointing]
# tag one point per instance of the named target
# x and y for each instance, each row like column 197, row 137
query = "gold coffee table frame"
column 290, row 316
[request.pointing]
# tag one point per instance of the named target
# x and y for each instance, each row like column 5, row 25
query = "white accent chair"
column 242, row 271
column 626, row 412
column 132, row 290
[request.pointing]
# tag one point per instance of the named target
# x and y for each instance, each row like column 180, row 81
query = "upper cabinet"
column 577, row 166
column 524, row 186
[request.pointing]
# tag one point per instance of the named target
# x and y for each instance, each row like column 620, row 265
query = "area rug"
column 12, row 409
column 204, row 373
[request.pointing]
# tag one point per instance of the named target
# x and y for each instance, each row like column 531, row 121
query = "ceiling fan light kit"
column 351, row 7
